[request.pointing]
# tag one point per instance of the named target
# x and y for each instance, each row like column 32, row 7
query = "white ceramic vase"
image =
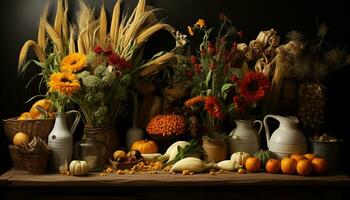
column 245, row 138
column 61, row 140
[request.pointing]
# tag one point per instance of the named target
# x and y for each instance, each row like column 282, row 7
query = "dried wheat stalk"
column 103, row 25
column 24, row 51
column 115, row 23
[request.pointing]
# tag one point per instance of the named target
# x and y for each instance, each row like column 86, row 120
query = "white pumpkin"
column 239, row 158
column 78, row 167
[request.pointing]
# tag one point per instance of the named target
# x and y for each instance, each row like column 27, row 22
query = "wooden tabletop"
column 16, row 178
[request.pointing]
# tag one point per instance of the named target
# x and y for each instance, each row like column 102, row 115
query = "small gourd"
column 78, row 167
column 239, row 158
column 264, row 156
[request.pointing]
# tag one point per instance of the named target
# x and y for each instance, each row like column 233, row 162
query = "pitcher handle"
column 261, row 125
column 76, row 120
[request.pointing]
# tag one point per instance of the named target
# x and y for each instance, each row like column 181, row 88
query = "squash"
column 25, row 116
column 239, row 158
column 264, row 156
column 145, row 146
column 78, row 167
column 45, row 105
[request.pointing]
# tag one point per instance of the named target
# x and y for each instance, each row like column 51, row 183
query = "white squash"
column 239, row 158
column 78, row 167
column 191, row 164
column 227, row 165
column 171, row 152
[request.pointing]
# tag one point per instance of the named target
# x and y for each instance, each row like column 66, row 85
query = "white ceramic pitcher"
column 245, row 138
column 61, row 140
column 287, row 138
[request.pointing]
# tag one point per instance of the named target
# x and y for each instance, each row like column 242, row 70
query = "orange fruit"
column 273, row 166
column 310, row 156
column 288, row 165
column 297, row 157
column 319, row 165
column 20, row 138
column 304, row 167
column 252, row 164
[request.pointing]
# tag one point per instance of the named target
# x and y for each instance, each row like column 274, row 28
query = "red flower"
column 189, row 74
column 234, row 78
column 198, row 68
column 222, row 16
column 119, row 62
column 213, row 107
column 193, row 60
column 253, row 87
column 108, row 51
column 98, row 50
column 240, row 104
column 211, row 49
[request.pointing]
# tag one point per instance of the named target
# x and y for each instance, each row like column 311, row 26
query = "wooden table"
column 152, row 186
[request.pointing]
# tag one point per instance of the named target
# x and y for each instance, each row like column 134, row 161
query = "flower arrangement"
column 210, row 72
column 95, row 68
column 220, row 78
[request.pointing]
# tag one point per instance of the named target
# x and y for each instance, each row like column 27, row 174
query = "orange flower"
column 200, row 23
column 73, row 62
column 64, row 82
column 213, row 107
column 190, row 30
column 194, row 100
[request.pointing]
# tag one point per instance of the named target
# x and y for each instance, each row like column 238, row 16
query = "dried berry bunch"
column 166, row 125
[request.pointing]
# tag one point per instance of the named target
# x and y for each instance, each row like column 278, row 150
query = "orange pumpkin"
column 252, row 164
column 304, row 167
column 319, row 165
column 45, row 105
column 145, row 146
column 288, row 165
column 273, row 166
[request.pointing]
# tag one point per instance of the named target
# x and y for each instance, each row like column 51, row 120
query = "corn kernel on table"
column 154, row 185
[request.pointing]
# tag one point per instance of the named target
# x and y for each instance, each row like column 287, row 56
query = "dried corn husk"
column 115, row 23
column 59, row 18
column 192, row 164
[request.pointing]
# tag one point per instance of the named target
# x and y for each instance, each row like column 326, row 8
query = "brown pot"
column 215, row 149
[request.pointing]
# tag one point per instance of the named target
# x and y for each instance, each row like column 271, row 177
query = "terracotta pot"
column 215, row 149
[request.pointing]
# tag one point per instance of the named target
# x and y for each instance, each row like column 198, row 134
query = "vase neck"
column 244, row 123
column 60, row 122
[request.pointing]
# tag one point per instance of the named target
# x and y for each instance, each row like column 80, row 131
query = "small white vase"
column 61, row 141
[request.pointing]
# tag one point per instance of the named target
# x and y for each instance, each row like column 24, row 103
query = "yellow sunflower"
column 64, row 82
column 73, row 62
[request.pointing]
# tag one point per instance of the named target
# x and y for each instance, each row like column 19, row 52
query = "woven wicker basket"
column 37, row 127
column 36, row 164
column 17, row 158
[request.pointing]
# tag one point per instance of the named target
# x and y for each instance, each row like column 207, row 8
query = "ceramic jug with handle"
column 61, row 140
column 245, row 138
column 287, row 138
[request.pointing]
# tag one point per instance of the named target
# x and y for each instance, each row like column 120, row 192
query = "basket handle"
column 76, row 120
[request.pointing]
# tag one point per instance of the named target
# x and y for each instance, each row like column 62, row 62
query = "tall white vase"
column 61, row 141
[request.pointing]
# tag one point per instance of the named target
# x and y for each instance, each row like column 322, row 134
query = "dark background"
column 19, row 22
